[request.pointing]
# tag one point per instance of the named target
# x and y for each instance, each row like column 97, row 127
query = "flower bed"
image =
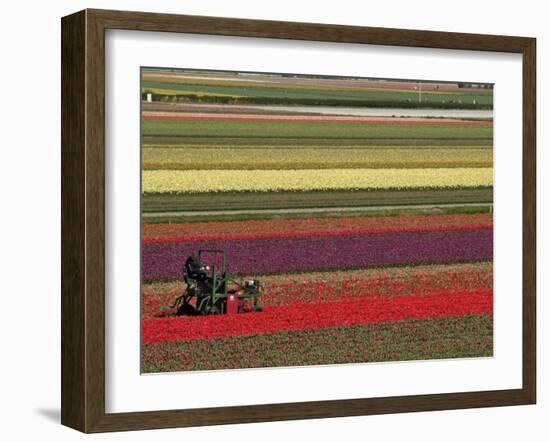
column 165, row 261
column 319, row 315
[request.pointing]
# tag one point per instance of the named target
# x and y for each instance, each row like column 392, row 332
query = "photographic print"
column 299, row 220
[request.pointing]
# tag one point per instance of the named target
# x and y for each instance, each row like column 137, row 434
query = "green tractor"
column 217, row 292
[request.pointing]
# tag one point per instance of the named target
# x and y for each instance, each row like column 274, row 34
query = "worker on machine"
column 197, row 272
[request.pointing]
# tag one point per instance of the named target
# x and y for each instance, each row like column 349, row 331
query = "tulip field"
column 367, row 219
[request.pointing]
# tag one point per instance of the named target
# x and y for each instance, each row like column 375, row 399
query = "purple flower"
column 165, row 261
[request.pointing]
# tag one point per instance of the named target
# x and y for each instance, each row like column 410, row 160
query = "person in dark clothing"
column 197, row 272
column 194, row 269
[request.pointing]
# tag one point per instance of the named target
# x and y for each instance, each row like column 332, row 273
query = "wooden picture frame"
column 83, row 220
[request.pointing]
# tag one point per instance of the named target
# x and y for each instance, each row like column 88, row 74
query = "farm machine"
column 217, row 292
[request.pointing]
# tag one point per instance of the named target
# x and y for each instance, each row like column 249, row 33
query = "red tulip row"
column 274, row 235
column 314, row 316
column 436, row 338
column 340, row 286
column 384, row 285
column 204, row 230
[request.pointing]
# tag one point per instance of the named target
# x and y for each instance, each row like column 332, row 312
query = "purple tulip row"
column 165, row 261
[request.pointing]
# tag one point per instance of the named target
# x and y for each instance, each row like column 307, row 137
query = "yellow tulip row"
column 317, row 158
column 196, row 181
column 293, row 154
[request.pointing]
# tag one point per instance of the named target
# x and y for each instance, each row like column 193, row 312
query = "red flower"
column 314, row 316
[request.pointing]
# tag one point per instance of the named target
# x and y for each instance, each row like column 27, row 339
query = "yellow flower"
column 194, row 181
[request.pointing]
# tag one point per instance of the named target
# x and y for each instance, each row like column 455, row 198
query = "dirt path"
column 334, row 110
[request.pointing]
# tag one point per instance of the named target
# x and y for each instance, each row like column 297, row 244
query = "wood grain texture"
column 83, row 220
column 529, row 221
column 95, row 221
column 73, row 253
column 143, row 21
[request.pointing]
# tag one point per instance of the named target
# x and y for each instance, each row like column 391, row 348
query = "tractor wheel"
column 186, row 309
